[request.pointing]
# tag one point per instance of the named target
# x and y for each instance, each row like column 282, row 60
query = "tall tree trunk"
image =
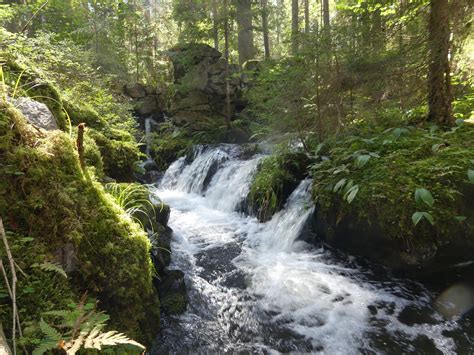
column 306, row 17
column 266, row 41
column 295, row 26
column 226, row 56
column 278, row 12
column 245, row 35
column 215, row 24
column 439, row 77
column 326, row 20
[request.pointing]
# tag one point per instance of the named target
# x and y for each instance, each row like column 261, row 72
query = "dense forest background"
column 327, row 63
column 372, row 99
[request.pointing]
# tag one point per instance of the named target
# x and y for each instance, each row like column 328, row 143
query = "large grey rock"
column 36, row 113
column 187, row 55
column 135, row 91
column 189, row 101
column 195, row 78
column 149, row 105
column 200, row 78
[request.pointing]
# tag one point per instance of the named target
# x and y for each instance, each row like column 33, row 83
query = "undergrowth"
column 48, row 203
column 409, row 183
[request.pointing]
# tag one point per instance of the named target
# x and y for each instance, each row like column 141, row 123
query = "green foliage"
column 277, row 177
column 423, row 195
column 44, row 194
column 79, row 327
column 389, row 197
column 47, row 266
column 418, row 216
column 135, row 200
column 169, row 144
column 60, row 75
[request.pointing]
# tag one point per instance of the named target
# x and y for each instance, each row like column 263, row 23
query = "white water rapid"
column 256, row 287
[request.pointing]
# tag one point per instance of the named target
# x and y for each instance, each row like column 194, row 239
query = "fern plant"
column 81, row 327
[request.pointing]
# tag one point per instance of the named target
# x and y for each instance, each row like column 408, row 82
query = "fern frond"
column 74, row 345
column 89, row 343
column 46, row 266
column 96, row 320
column 112, row 338
column 45, row 346
column 49, row 331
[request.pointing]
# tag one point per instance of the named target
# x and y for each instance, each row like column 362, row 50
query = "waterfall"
column 148, row 122
column 256, row 287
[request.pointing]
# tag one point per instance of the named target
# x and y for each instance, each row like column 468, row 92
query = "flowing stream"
column 256, row 287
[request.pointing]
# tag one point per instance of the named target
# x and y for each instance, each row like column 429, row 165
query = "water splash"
column 256, row 287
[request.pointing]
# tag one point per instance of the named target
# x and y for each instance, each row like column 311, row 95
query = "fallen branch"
column 12, row 286
column 33, row 16
column 7, row 283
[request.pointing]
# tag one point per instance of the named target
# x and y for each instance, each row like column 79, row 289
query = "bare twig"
column 5, row 276
column 20, row 270
column 15, row 317
column 7, row 282
column 33, row 16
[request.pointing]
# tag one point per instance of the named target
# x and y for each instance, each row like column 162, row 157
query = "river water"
column 257, row 288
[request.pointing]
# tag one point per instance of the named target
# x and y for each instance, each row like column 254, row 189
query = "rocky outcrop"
column 200, row 84
column 36, row 113
column 147, row 99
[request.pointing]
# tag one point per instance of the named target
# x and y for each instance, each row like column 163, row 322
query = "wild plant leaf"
column 423, row 195
column 460, row 218
column 348, row 186
column 74, row 345
column 111, row 338
column 318, row 149
column 435, row 147
column 361, row 160
column 470, row 176
column 418, row 216
column 352, row 193
column 398, row 132
column 339, row 185
column 428, row 217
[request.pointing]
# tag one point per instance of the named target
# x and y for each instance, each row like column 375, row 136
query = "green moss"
column 168, row 145
column 73, row 98
column 119, row 153
column 400, row 161
column 174, row 303
column 277, row 177
column 45, row 196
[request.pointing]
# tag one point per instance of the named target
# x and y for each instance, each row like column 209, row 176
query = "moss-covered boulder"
column 277, row 177
column 46, row 198
column 74, row 93
column 402, row 197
